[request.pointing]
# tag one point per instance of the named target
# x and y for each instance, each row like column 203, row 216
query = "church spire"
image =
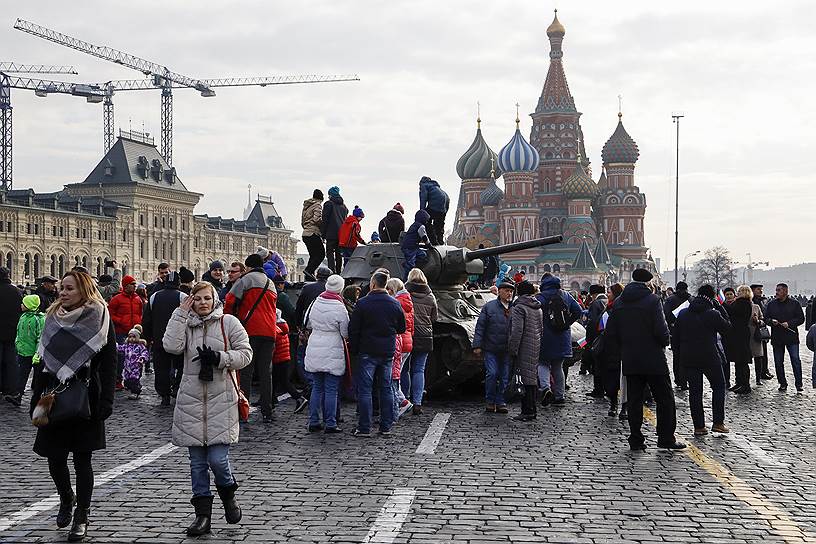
column 556, row 97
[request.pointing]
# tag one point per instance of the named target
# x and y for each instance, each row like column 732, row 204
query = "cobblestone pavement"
column 567, row 477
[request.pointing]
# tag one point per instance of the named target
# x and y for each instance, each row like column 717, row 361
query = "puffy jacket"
column 404, row 298
column 242, row 297
column 125, row 311
column 526, row 325
column 492, row 327
column 349, row 234
column 391, row 226
column 334, row 213
column 374, row 325
column 156, row 314
column 557, row 344
column 695, row 332
column 426, row 313
column 282, row 353
column 29, row 330
column 10, row 301
column 788, row 311
column 311, row 217
column 432, row 197
column 275, row 266
column 329, row 322
column 109, row 290
column 416, row 232
column 206, row 413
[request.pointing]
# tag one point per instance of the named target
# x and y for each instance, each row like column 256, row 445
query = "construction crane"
column 7, row 82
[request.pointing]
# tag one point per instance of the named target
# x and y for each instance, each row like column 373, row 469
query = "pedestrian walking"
column 737, row 338
column 78, row 352
column 696, row 330
column 426, row 312
column 11, row 300
column 436, row 202
column 417, row 234
column 392, row 225
column 490, row 341
column 325, row 356
column 205, row 420
column 680, row 297
column 523, row 345
column 560, row 312
column 396, row 288
column 135, row 355
column 762, row 301
column 758, row 349
column 349, row 234
column 253, row 301
column 308, row 295
column 637, row 329
column 311, row 220
column 373, row 330
column 29, row 331
column 614, row 382
column 595, row 312
column 784, row 315
column 333, row 216
column 125, row 311
column 155, row 317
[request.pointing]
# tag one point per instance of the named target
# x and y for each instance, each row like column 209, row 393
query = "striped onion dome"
column 518, row 155
column 579, row 184
column 475, row 163
column 491, row 195
column 620, row 148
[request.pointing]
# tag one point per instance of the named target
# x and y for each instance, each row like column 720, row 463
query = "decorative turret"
column 492, row 195
column 584, row 259
column 601, row 252
column 518, row 155
column 620, row 147
column 475, row 163
column 579, row 185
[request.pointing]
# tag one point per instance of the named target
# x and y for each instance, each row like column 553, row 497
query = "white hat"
column 262, row 251
column 335, row 284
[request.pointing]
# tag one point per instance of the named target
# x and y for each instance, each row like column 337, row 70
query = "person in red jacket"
column 280, row 365
column 253, row 300
column 125, row 310
column 405, row 341
column 350, row 233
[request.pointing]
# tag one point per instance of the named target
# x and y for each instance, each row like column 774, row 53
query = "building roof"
column 556, row 28
column 135, row 159
column 518, row 155
column 579, row 184
column 620, row 147
column 265, row 214
column 601, row 252
column 556, row 96
column 62, row 201
column 491, row 195
column 584, row 259
column 475, row 163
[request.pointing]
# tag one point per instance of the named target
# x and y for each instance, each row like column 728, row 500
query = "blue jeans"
column 554, row 368
column 497, row 376
column 716, row 380
column 215, row 457
column 412, row 379
column 324, row 399
column 411, row 256
column 301, row 365
column 796, row 363
column 365, row 383
column 346, row 252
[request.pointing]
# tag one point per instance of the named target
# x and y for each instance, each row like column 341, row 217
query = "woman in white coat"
column 205, row 419
column 326, row 353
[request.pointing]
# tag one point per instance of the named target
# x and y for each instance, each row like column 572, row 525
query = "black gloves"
column 208, row 359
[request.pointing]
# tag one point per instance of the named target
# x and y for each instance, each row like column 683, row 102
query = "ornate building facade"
column 549, row 189
column 132, row 208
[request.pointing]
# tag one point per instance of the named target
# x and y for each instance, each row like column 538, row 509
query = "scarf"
column 71, row 338
column 331, row 296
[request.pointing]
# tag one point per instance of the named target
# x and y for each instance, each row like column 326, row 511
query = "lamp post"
column 684, row 264
column 676, row 120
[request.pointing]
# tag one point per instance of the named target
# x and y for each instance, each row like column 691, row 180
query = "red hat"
column 127, row 280
column 399, row 208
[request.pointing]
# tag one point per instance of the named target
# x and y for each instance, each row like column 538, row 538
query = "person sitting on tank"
column 410, row 245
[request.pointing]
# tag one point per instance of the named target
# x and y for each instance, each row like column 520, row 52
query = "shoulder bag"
column 762, row 333
column 67, row 402
column 243, row 403
column 245, row 320
column 305, row 330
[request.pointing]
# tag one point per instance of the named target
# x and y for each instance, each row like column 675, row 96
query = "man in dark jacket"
column 334, row 213
column 47, row 291
column 637, row 330
column 11, row 300
column 392, row 225
column 373, row 328
column 695, row 337
column 215, row 275
column 491, row 339
column 680, row 297
column 784, row 315
column 596, row 310
column 163, row 271
column 435, row 201
column 155, row 316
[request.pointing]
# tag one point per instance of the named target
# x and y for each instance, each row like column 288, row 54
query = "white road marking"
column 752, row 449
column 53, row 501
column 392, row 516
column 434, row 434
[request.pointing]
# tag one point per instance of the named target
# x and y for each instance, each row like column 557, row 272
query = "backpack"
column 556, row 313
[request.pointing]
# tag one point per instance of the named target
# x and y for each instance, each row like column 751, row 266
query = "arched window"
column 556, row 269
column 61, row 265
column 37, row 264
column 125, row 268
column 10, row 261
column 585, row 286
column 53, row 265
column 85, row 262
column 27, row 265
column 545, row 268
column 575, row 286
column 76, row 261
column 99, row 270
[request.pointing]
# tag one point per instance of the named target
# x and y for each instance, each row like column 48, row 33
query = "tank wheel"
column 446, row 357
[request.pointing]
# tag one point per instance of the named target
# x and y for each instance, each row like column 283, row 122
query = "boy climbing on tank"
column 410, row 245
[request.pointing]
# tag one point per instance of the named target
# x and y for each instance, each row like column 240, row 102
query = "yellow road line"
column 780, row 522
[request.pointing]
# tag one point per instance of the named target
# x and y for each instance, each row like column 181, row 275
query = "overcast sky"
column 742, row 73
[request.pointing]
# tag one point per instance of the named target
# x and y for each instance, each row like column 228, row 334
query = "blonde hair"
column 743, row 291
column 417, row 276
column 200, row 286
column 86, row 287
column 395, row 284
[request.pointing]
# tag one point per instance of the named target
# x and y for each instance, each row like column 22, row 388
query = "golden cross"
column 517, row 115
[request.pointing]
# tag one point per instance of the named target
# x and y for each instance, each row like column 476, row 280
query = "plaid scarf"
column 71, row 338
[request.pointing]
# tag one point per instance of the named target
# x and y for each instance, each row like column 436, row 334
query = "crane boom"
column 147, row 84
column 42, row 87
column 17, row 68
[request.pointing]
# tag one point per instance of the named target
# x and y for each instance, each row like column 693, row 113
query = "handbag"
column 762, row 333
column 305, row 331
column 597, row 347
column 67, row 402
column 243, row 403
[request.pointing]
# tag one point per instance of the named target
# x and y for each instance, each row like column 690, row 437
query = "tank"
column 447, row 269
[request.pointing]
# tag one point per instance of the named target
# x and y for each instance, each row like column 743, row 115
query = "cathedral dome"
column 556, row 28
column 620, row 147
column 475, row 162
column 491, row 195
column 518, row 155
column 579, row 184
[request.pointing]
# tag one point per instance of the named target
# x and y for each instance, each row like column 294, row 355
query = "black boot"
column 232, row 512
column 80, row 527
column 203, row 512
column 67, row 504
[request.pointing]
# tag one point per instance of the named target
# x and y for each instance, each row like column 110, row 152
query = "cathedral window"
column 171, row 222
column 163, row 224
column 8, row 226
column 28, row 228
column 84, row 233
column 37, row 259
column 53, row 230
column 141, row 249
column 155, row 222
column 61, row 232
column 141, row 220
column 36, row 228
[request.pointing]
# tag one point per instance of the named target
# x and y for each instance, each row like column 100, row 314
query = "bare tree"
column 715, row 268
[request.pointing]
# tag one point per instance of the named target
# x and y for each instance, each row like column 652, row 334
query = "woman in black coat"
column 77, row 344
column 737, row 340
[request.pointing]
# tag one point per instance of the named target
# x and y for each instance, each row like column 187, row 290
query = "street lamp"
column 684, row 263
column 676, row 120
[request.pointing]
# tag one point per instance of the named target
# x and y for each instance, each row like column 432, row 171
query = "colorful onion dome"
column 620, row 148
column 518, row 155
column 492, row 195
column 476, row 163
column 556, row 28
column 579, row 184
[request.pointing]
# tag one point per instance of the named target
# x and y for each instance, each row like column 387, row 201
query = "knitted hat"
column 172, row 279
column 323, row 272
column 642, row 275
column 186, row 275
column 375, row 236
column 31, row 302
column 254, row 261
column 105, row 278
column 263, row 252
column 596, row 289
column 318, row 194
column 127, row 280
column 334, row 191
column 135, row 332
column 138, row 327
column 216, row 264
column 756, row 286
column 358, row 212
column 399, row 207
column 335, row 284
column 525, row 288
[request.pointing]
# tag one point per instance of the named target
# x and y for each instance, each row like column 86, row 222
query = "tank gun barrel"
column 508, row 248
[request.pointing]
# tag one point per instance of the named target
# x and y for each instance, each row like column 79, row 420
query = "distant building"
column 132, row 208
column 548, row 190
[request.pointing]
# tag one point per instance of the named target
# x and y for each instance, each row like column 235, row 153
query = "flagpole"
column 676, row 120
